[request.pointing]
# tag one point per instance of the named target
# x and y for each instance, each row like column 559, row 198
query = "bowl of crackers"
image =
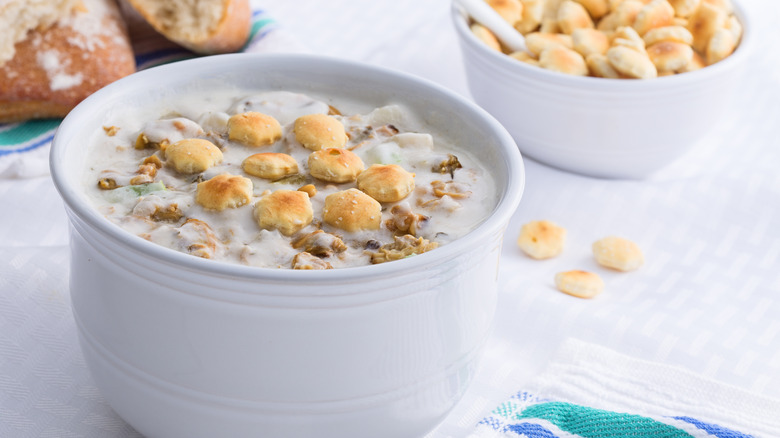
column 611, row 89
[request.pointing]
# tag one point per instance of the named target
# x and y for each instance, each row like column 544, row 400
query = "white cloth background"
column 708, row 298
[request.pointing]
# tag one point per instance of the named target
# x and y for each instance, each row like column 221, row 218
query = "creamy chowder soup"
column 285, row 180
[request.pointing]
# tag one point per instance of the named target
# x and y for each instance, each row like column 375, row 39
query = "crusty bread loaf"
column 55, row 68
column 203, row 26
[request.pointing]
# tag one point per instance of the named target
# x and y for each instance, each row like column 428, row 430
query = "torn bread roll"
column 56, row 67
column 205, row 26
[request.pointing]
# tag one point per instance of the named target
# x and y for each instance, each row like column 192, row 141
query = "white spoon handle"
column 483, row 14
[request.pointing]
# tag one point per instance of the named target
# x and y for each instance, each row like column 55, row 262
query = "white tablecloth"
column 708, row 298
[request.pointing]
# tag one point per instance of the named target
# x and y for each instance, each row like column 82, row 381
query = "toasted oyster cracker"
column 224, row 191
column 318, row 131
column 192, row 155
column 684, row 8
column 631, row 63
column 270, row 165
column 533, row 12
column 551, row 9
column 600, row 67
column 254, row 129
column 352, row 210
column 549, row 26
column 733, row 24
column 386, row 182
column 287, row 211
column 696, row 63
column 537, row 42
column 657, row 13
column 335, row 165
column 627, row 37
column 524, row 57
column 723, row 4
column 618, row 253
column 572, row 15
column 678, row 34
column 721, row 45
column 580, row 284
column 608, row 23
column 704, row 22
column 483, row 34
column 596, row 8
column 563, row 60
column 588, row 41
column 541, row 239
column 510, row 10
column 627, row 12
column 670, row 55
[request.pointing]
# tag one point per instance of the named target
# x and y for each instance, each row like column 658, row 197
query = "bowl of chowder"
column 283, row 245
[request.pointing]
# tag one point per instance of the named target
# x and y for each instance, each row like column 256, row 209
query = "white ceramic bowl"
column 610, row 128
column 187, row 347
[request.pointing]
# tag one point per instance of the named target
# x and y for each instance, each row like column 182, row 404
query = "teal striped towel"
column 24, row 147
column 589, row 391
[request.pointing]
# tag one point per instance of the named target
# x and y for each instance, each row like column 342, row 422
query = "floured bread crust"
column 18, row 17
column 56, row 68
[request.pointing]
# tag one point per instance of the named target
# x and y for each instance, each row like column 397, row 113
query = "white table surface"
column 708, row 298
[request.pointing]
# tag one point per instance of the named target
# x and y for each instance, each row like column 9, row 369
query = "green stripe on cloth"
column 24, row 132
column 596, row 423
column 256, row 26
column 505, row 409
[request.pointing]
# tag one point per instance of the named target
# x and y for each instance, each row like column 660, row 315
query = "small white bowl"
column 187, row 347
column 613, row 128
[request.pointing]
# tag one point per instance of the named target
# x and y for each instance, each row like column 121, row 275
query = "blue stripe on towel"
column 714, row 429
column 29, row 147
column 531, row 430
column 493, row 422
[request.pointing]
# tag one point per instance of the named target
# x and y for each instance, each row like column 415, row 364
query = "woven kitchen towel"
column 24, row 147
column 592, row 392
